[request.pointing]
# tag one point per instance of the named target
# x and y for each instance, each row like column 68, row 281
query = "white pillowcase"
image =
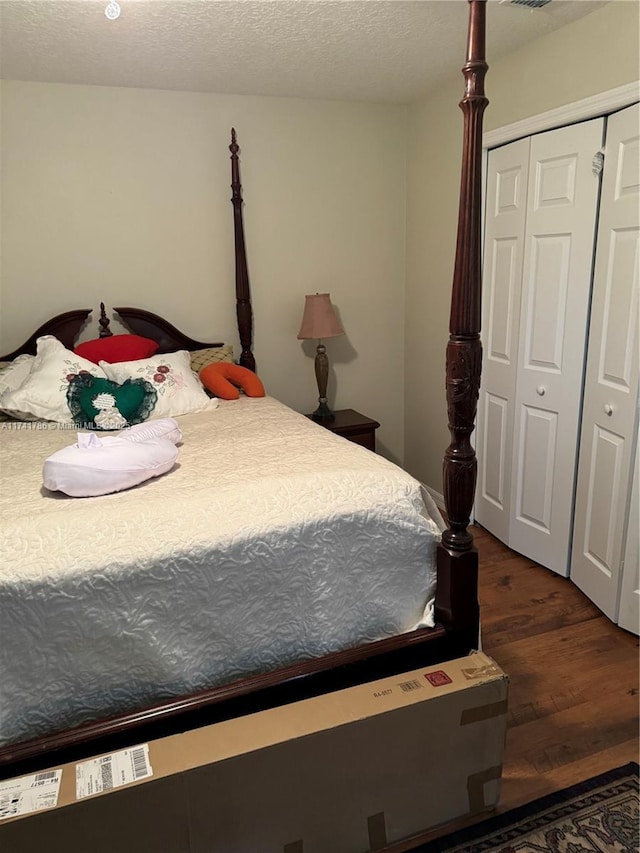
column 15, row 373
column 179, row 389
column 43, row 393
column 100, row 466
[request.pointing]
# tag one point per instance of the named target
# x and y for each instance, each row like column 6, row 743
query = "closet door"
column 562, row 201
column 607, row 446
column 505, row 219
column 629, row 614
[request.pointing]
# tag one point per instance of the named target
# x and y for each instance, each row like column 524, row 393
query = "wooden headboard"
column 150, row 325
column 65, row 327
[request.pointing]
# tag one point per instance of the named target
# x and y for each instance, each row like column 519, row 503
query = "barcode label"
column 29, row 793
column 140, row 763
column 112, row 771
column 46, row 777
column 408, row 686
column 106, row 776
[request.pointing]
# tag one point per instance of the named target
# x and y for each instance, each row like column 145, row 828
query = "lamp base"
column 323, row 412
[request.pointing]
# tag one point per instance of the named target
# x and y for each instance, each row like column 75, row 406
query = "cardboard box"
column 347, row 772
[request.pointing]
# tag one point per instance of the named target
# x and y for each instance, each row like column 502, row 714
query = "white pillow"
column 15, row 373
column 99, row 466
column 179, row 389
column 43, row 394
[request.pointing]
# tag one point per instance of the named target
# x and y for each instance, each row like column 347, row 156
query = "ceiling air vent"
column 531, row 4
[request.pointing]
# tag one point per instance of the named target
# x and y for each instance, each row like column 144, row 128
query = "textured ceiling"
column 379, row 50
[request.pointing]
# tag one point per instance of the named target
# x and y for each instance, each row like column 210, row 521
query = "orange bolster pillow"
column 223, row 379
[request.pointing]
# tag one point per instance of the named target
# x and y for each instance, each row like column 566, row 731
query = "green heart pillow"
column 97, row 403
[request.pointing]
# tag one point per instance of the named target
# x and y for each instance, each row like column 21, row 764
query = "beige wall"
column 596, row 53
column 123, row 195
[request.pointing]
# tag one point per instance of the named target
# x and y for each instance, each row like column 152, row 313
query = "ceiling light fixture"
column 113, row 10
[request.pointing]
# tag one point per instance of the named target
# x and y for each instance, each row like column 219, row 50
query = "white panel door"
column 629, row 613
column 507, row 177
column 607, row 446
column 562, row 202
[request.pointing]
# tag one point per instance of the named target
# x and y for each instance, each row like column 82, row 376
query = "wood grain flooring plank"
column 520, row 786
column 573, row 734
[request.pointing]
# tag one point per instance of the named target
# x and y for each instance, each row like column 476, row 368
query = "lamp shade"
column 319, row 319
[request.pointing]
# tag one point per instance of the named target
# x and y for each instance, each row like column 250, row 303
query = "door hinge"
column 597, row 164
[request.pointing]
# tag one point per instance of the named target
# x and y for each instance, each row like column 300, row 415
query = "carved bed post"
column 103, row 321
column 243, row 296
column 456, row 606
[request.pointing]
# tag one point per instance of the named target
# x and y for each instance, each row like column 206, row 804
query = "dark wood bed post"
column 456, row 608
column 243, row 296
column 103, row 322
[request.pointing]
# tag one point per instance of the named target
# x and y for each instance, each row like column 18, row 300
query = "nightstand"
column 354, row 426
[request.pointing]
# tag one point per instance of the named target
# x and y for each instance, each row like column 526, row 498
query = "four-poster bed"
column 456, row 606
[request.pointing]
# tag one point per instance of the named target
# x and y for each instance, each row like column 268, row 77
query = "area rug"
column 597, row 816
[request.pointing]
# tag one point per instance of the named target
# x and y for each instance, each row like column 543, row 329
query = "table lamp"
column 320, row 321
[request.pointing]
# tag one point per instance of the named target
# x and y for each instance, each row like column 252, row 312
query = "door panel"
column 546, row 306
column 555, row 182
column 629, row 615
column 504, row 287
column 611, row 391
column 507, row 179
column 494, row 432
column 538, row 433
column 562, row 202
column 607, row 450
column 620, row 313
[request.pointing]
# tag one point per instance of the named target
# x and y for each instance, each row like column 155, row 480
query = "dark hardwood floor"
column 573, row 704
column 573, row 695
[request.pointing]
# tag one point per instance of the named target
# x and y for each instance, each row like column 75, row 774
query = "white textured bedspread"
column 271, row 541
